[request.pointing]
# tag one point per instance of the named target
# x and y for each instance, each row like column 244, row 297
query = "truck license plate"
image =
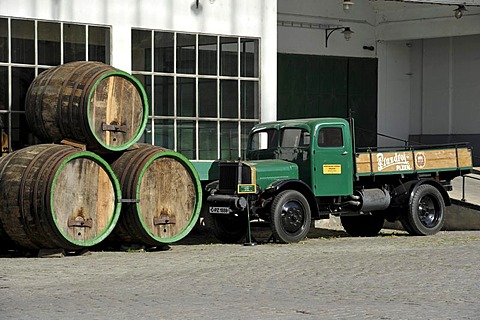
column 219, row 210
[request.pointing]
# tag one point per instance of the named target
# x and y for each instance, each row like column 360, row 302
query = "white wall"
column 447, row 99
column 312, row 40
column 249, row 18
column 393, row 91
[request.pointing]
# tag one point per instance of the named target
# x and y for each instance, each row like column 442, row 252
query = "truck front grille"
column 228, row 180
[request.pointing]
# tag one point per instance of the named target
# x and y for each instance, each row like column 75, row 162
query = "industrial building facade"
column 214, row 68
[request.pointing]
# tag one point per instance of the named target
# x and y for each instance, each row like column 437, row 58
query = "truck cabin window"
column 294, row 138
column 330, row 137
column 263, row 140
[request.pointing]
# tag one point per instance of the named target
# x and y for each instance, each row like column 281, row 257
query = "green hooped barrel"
column 90, row 102
column 164, row 192
column 56, row 196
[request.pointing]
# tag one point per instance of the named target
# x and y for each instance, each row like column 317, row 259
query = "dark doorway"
column 320, row 86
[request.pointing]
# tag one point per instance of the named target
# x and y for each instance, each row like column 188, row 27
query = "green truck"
column 297, row 171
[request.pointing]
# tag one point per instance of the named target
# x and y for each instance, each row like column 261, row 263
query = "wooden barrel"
column 57, row 196
column 90, row 102
column 165, row 194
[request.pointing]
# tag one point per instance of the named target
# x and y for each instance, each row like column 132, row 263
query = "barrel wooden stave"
column 169, row 193
column 90, row 102
column 49, row 191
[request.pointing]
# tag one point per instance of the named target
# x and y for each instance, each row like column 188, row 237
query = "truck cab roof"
column 308, row 124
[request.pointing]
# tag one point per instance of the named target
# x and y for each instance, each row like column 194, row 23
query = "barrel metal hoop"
column 128, row 200
column 164, row 220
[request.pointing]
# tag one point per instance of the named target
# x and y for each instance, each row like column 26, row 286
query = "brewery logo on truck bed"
column 396, row 162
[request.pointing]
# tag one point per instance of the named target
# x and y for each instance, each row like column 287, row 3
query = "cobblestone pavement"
column 327, row 276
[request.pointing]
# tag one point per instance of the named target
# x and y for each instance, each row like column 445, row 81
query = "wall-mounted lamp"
column 370, row 48
column 347, row 33
column 459, row 11
column 347, row 5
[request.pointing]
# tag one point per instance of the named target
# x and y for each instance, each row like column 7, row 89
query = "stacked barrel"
column 66, row 194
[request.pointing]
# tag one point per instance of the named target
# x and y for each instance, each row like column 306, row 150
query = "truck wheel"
column 363, row 226
column 426, row 214
column 229, row 229
column 290, row 216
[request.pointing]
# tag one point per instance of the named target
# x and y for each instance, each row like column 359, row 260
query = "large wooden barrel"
column 165, row 194
column 57, row 196
column 90, row 102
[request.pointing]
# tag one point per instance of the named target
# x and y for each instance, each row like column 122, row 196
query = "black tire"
column 406, row 224
column 290, row 216
column 426, row 213
column 364, row 225
column 228, row 228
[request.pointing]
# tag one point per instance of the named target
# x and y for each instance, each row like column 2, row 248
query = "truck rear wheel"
column 290, row 216
column 426, row 214
column 229, row 229
column 363, row 226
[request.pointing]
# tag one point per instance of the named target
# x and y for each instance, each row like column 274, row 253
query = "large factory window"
column 203, row 90
column 29, row 47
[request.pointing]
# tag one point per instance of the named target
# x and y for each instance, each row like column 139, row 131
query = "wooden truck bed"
column 411, row 160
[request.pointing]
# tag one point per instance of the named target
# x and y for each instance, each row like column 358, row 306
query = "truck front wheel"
column 290, row 216
column 426, row 213
column 228, row 228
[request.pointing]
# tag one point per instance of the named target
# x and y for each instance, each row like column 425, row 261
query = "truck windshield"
column 263, row 140
column 294, row 137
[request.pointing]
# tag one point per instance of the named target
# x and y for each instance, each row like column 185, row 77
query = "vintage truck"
column 297, row 171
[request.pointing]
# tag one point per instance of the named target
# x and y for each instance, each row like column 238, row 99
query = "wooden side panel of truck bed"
column 410, row 161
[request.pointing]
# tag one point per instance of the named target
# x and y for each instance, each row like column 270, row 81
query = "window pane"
column 99, row 44
column 21, row 135
column 229, row 98
column 74, row 48
column 186, row 53
column 147, row 134
column 229, row 140
column 207, row 55
column 3, row 88
column 229, row 56
column 163, row 104
column 249, row 57
column 207, row 98
column 23, row 46
column 21, row 80
column 141, row 50
column 245, row 127
column 263, row 140
column 146, row 82
column 164, row 133
column 48, row 43
column 186, row 97
column 207, row 130
column 163, row 43
column 3, row 40
column 330, row 137
column 186, row 138
column 249, row 99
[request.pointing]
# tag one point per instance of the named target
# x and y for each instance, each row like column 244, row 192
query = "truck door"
column 332, row 164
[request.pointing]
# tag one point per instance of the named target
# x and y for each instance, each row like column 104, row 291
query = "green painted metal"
column 207, row 170
column 332, row 167
column 118, row 195
column 270, row 171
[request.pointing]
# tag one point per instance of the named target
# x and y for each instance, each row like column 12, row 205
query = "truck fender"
column 443, row 192
column 292, row 184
